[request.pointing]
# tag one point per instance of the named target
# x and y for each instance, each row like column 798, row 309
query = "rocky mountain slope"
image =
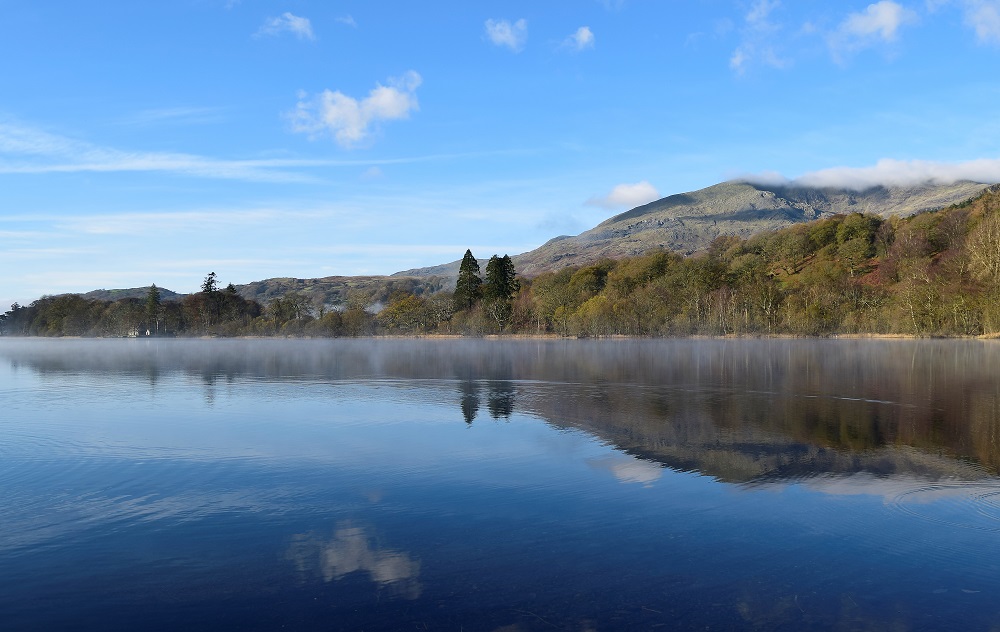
column 688, row 222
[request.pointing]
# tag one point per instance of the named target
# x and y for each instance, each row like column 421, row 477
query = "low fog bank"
column 887, row 173
column 743, row 411
column 863, row 368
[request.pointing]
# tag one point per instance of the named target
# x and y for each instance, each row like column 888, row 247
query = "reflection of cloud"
column 350, row 551
column 628, row 469
column 896, row 489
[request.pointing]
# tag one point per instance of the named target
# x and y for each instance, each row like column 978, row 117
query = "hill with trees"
column 931, row 273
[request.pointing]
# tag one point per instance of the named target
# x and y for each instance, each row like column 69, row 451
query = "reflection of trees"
column 470, row 399
column 349, row 551
column 500, row 399
column 773, row 404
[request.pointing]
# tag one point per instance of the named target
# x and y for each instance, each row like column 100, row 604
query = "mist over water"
column 484, row 485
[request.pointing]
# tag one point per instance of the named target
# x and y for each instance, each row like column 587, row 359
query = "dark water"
column 482, row 485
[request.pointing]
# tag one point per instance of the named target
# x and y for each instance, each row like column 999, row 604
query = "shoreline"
column 501, row 337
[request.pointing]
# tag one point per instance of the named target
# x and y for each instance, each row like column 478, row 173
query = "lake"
column 499, row 485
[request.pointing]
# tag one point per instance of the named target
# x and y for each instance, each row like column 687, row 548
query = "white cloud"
column 287, row 23
column 351, row 121
column 983, row 16
column 176, row 116
column 627, row 196
column 503, row 33
column 758, row 35
column 881, row 20
column 581, row 40
column 348, row 20
column 888, row 172
column 28, row 150
column 878, row 23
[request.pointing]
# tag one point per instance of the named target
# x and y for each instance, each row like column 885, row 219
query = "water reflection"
column 469, row 399
column 682, row 484
column 350, row 550
column 501, row 399
column 628, row 469
column 742, row 411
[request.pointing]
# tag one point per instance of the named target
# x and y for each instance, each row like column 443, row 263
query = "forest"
column 931, row 274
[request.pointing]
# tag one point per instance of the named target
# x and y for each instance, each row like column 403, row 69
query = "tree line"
column 935, row 273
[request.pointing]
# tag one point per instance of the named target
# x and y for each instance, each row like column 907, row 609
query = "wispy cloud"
column 983, row 16
column 351, row 121
column 758, row 34
column 626, row 196
column 176, row 116
column 348, row 20
column 889, row 172
column 503, row 33
column 580, row 40
column 878, row 23
column 287, row 23
column 28, row 150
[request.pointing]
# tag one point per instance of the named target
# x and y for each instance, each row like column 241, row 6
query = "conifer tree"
column 501, row 286
column 153, row 308
column 469, row 288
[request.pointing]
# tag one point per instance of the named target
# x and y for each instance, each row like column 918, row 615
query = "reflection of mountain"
column 350, row 551
column 738, row 410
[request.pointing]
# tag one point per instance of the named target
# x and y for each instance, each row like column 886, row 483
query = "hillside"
column 686, row 223
column 333, row 290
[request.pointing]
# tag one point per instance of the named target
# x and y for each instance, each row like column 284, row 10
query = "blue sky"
column 157, row 141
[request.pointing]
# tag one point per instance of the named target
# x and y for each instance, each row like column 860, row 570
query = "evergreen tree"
column 501, row 286
column 469, row 288
column 153, row 308
column 501, row 282
column 210, row 285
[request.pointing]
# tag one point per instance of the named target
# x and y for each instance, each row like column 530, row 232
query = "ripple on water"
column 960, row 504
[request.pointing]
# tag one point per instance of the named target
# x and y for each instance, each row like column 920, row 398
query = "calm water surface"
column 487, row 485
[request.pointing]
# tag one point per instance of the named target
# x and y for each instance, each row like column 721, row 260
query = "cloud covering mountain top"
column 888, row 173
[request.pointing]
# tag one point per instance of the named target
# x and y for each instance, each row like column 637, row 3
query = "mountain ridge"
column 688, row 222
column 683, row 222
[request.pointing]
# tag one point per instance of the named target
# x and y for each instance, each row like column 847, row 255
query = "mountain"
column 688, row 222
column 684, row 223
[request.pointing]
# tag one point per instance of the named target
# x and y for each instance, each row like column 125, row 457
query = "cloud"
column 503, row 33
column 287, row 23
column 758, row 35
column 581, row 40
column 176, row 116
column 881, row 20
column 348, row 20
column 888, row 172
column 627, row 196
column 983, row 16
column 28, row 150
column 878, row 23
column 350, row 121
